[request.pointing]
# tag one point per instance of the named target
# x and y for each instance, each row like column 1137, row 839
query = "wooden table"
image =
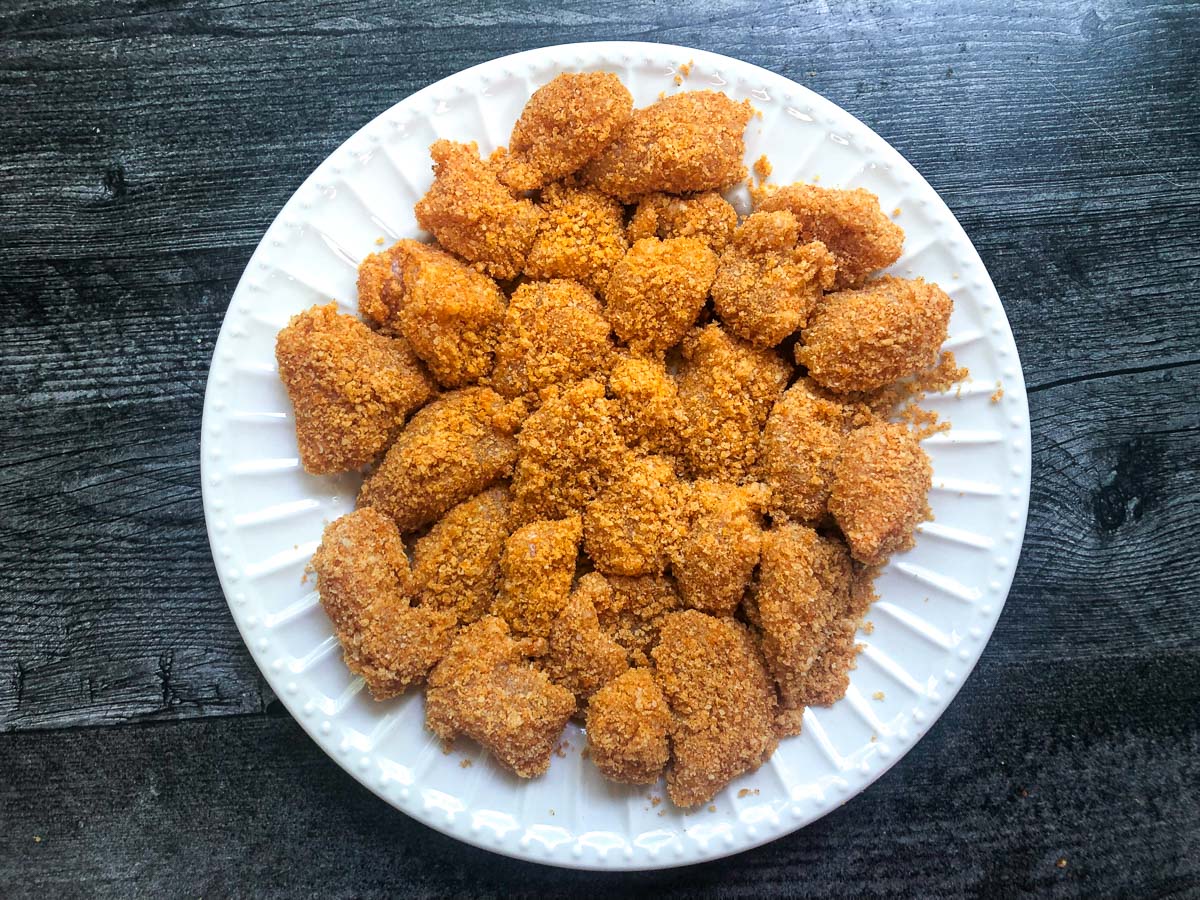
column 144, row 149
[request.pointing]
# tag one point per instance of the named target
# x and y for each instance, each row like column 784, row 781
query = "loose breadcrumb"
column 763, row 168
column 878, row 695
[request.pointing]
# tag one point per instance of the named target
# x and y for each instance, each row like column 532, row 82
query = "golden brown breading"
column 364, row 584
column 627, row 726
column 538, row 566
column 350, row 387
column 849, row 223
column 486, row 689
column 766, row 284
column 708, row 217
column 727, row 388
column 829, row 675
column 657, row 290
column 456, row 566
column 682, row 144
column 554, row 334
column 864, row 339
column 472, row 214
column 722, row 701
column 581, row 657
column 632, row 610
column 879, row 490
column 648, row 414
column 451, row 450
column 634, row 523
column 582, row 236
column 448, row 312
column 566, row 122
column 724, row 530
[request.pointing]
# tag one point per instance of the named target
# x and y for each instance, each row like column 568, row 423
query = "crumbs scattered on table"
column 954, row 276
column 380, row 241
column 686, row 68
column 816, row 179
column 763, row 168
column 998, row 393
column 895, row 212
column 878, row 695
column 655, row 801
column 678, row 80
column 874, row 738
column 37, row 838
column 1062, row 862
column 466, row 764
column 746, row 792
column 712, row 808
column 869, row 627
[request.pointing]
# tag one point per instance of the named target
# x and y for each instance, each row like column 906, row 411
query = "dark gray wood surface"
column 144, row 149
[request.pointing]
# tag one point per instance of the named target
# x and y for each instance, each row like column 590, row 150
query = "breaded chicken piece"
column 486, row 689
column 451, row 450
column 554, row 334
column 364, row 583
column 657, row 290
column 829, row 675
column 567, row 450
column 879, row 490
column 707, row 217
column 803, row 588
column 799, row 451
column 863, row 339
column 447, row 311
column 350, row 388
column 722, row 702
column 472, row 214
column 537, row 568
column 632, row 610
column 566, row 122
column 456, row 566
column 766, row 284
column 727, row 388
column 634, row 523
column 849, row 223
column 581, row 657
column 628, row 722
column 648, row 414
column 714, row 562
column 582, row 236
column 682, row 144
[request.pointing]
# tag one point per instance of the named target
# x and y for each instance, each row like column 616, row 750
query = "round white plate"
column 938, row 602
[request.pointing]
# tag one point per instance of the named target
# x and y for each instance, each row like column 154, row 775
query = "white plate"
column 265, row 515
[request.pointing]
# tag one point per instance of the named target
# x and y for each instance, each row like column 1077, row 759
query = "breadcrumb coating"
column 566, row 122
column 350, row 388
column 537, row 568
column 632, row 610
column 451, row 450
column 879, row 490
column 717, row 556
column 628, row 723
column 456, row 566
column 554, row 333
column 582, row 236
column 849, row 223
column 657, row 290
column 582, row 658
column 485, row 688
column 767, row 285
column 634, row 523
column 472, row 214
column 862, row 340
column 708, row 217
column 829, row 675
column 364, row 584
column 648, row 413
column 685, row 143
column 727, row 388
column 446, row 310
column 722, row 702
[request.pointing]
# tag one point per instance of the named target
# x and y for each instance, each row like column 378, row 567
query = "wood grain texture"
column 147, row 146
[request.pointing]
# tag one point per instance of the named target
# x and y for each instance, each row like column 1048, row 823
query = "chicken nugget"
column 727, row 388
column 632, row 610
column 829, row 675
column 685, row 143
column 451, row 450
column 657, row 290
column 456, row 566
column 722, row 702
column 566, row 122
column 554, row 334
column 862, row 340
column 472, row 214
column 634, row 523
column 350, row 387
column 537, row 568
column 708, row 217
column 715, row 560
column 486, row 689
column 627, row 727
column 581, row 657
column 879, row 490
column 364, row 584
column 582, row 236
column 446, row 310
column 849, row 223
column 648, row 414
column 767, row 285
